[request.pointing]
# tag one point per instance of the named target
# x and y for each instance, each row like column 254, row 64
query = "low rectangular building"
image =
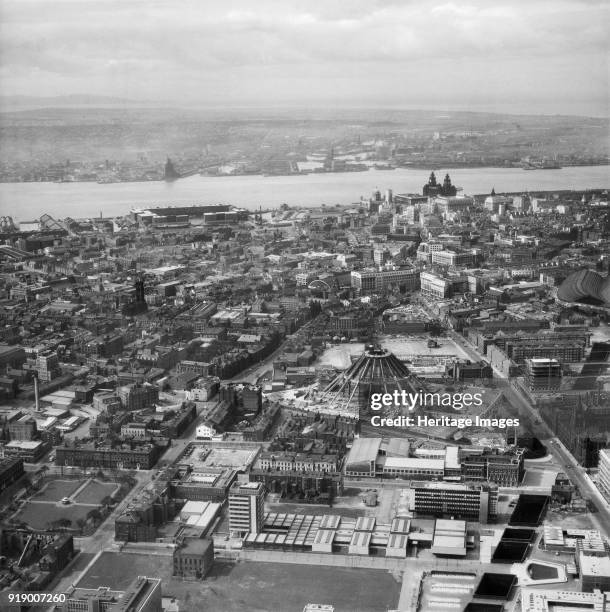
column 464, row 501
column 417, row 469
column 28, row 450
column 449, row 538
column 194, row 558
column 139, row 456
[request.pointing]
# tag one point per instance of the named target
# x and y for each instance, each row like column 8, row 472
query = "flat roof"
column 594, row 566
column 398, row 540
column 400, row 525
column 445, row 541
column 365, row 523
column 360, row 538
column 196, row 507
column 364, row 450
column 452, row 459
column 250, row 485
column 330, row 521
column 533, row 600
column 195, row 545
column 414, row 463
column 324, row 536
column 25, row 444
column 450, row 525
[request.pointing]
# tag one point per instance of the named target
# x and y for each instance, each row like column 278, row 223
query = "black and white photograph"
column 304, row 306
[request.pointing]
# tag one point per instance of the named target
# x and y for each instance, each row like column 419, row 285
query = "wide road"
column 562, row 455
column 254, row 372
column 566, row 460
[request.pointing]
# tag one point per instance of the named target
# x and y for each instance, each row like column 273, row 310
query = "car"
column 65, row 501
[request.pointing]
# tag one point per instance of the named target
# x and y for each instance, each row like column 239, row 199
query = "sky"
column 522, row 56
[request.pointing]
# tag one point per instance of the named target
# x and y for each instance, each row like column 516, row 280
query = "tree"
column 95, row 515
column 80, row 523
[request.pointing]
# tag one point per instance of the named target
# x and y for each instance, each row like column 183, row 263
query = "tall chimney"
column 36, row 399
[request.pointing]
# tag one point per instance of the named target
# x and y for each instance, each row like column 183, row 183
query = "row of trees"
column 94, row 517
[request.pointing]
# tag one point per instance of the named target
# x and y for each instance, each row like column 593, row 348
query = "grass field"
column 57, row 489
column 38, row 515
column 95, row 491
column 118, row 570
column 43, row 509
column 278, row 587
column 256, row 587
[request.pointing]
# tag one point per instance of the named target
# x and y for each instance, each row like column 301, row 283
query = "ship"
column 170, row 174
column 541, row 164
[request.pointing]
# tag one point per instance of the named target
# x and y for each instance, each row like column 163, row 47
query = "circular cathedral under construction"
column 377, row 370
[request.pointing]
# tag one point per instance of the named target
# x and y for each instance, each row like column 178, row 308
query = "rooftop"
column 594, row 566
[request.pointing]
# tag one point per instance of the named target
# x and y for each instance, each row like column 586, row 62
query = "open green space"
column 278, row 587
column 40, row 515
column 54, row 490
column 95, row 491
column 256, row 587
column 119, row 569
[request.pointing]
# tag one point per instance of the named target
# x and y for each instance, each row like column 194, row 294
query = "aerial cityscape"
column 279, row 338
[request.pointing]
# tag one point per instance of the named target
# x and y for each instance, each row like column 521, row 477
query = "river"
column 25, row 201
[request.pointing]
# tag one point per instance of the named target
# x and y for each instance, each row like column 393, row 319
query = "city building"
column 134, row 430
column 209, row 484
column 542, row 374
column 194, row 557
column 47, row 366
column 139, row 456
column 11, row 469
column 142, row 595
column 449, row 539
column 434, row 286
column 11, row 357
column 537, row 600
column 603, row 477
column 24, row 428
column 144, row 514
column 453, row 258
column 138, row 396
column 432, row 188
column 377, row 281
column 504, row 469
column 246, row 507
column 29, row 450
column 463, row 501
column 594, row 572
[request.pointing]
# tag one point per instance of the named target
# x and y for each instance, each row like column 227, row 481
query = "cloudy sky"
column 539, row 56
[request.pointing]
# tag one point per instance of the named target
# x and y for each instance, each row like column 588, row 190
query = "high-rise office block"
column 246, row 507
column 542, row 374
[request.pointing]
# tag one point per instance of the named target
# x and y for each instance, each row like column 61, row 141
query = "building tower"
column 171, row 174
column 247, row 507
column 139, row 287
column 375, row 371
column 448, row 189
column 432, row 188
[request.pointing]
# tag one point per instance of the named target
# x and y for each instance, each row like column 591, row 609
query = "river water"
column 25, row 201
